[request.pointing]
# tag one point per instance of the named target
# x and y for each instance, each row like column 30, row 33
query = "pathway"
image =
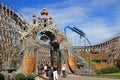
column 78, row 77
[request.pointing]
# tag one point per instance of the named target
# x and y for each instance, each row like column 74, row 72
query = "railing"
column 114, row 36
column 4, row 4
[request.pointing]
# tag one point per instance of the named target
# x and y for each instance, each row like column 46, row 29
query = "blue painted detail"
column 81, row 32
column 76, row 30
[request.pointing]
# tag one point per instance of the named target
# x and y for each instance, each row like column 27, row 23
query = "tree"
column 118, row 63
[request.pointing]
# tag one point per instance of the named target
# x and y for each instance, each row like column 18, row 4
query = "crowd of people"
column 50, row 72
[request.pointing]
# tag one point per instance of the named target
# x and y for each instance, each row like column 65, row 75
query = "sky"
column 99, row 19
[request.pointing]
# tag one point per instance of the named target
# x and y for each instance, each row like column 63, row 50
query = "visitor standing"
column 64, row 70
column 45, row 69
column 48, row 69
column 1, row 63
column 51, row 73
column 55, row 73
column 40, row 69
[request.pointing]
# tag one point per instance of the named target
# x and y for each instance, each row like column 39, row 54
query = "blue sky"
column 99, row 19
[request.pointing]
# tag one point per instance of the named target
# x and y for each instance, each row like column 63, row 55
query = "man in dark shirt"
column 55, row 73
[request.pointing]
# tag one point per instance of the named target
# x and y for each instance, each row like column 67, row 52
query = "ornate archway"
column 41, row 29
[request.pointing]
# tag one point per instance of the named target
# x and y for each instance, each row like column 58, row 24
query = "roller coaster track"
column 10, row 21
column 79, row 32
column 110, row 46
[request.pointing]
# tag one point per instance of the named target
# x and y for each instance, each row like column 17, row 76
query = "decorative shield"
column 28, row 64
column 72, row 63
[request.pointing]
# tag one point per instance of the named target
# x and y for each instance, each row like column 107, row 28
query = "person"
column 51, row 73
column 1, row 63
column 44, row 76
column 55, row 73
column 45, row 69
column 38, row 67
column 64, row 70
column 41, row 68
column 48, row 69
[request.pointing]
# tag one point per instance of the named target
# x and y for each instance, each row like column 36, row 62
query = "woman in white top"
column 64, row 70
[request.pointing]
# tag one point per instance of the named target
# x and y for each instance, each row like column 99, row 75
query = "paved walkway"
column 78, row 77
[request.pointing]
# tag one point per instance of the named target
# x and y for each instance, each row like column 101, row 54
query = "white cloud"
column 97, row 28
column 28, row 12
column 69, row 15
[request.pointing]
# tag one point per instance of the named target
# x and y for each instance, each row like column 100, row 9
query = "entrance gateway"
column 39, row 43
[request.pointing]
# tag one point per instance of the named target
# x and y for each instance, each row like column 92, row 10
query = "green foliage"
column 83, row 51
column 111, row 76
column 30, row 77
column 118, row 63
column 108, row 70
column 98, row 71
column 1, row 62
column 2, row 77
column 20, row 76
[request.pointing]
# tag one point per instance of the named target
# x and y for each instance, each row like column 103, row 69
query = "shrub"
column 2, row 77
column 98, row 71
column 118, row 63
column 20, row 76
column 1, row 62
column 30, row 77
column 108, row 70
